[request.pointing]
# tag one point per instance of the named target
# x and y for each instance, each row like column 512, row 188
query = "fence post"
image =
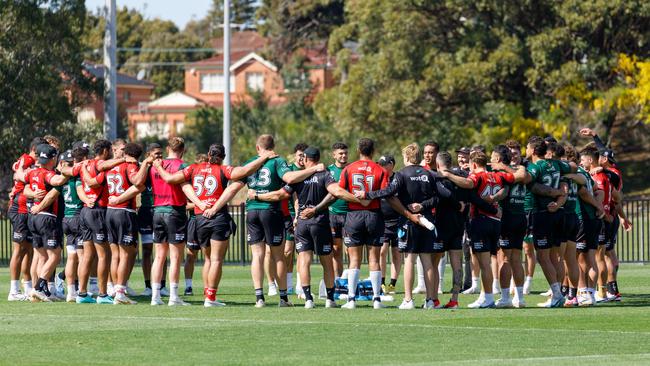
column 242, row 234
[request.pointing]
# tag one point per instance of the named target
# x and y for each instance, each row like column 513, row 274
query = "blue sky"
column 178, row 11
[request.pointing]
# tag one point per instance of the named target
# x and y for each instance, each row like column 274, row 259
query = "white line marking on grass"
column 534, row 359
column 317, row 322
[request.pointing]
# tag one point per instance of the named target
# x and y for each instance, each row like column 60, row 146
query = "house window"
column 255, row 81
column 213, row 83
column 126, row 96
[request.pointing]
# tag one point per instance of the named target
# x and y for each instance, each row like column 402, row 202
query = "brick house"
column 204, row 85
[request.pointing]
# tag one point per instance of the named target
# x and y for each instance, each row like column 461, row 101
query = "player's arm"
column 51, row 197
column 546, row 191
column 175, row 178
column 480, row 203
column 140, row 177
column 226, row 196
column 589, row 132
column 57, row 180
column 191, row 195
column 324, row 204
column 589, row 199
column 19, row 174
column 400, row 209
column 127, row 195
column 83, row 197
column 335, row 190
column 390, row 190
column 109, row 164
column 560, row 200
column 242, row 172
column 457, row 180
column 291, row 177
column 578, row 178
column 275, row 196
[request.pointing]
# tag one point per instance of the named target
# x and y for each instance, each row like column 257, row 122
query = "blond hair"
column 411, row 153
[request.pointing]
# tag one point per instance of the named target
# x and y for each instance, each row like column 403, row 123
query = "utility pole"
column 110, row 72
column 226, row 78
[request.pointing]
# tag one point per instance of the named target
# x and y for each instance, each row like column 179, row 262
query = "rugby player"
column 339, row 209
column 430, row 151
column 193, row 246
column 389, row 242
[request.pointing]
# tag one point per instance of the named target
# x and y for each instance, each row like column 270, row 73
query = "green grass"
column 61, row 333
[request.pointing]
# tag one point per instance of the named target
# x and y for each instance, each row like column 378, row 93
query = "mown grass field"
column 239, row 334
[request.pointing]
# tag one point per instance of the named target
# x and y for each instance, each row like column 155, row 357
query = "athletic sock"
column 420, row 270
column 353, row 279
column 555, row 288
column 188, row 282
column 155, row 292
column 15, row 287
column 61, row 276
column 615, row 286
column 289, row 280
column 28, row 286
column 573, row 292
column 147, row 283
column 475, row 282
column 330, row 293
column 520, row 293
column 489, row 297
column 163, row 283
column 76, row 285
column 529, row 279
column 602, row 291
column 41, row 285
column 283, row 294
column 611, row 288
column 495, row 286
column 51, row 287
column 173, row 293
column 93, row 280
column 383, row 281
column 375, row 280
column 564, row 290
column 259, row 294
column 505, row 294
column 307, row 291
column 211, row 294
column 71, row 289
column 393, row 282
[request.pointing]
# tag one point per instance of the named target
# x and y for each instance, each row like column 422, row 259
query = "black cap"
column 81, row 144
column 45, row 153
column 464, row 150
column 609, row 154
column 385, row 160
column 312, row 153
column 67, row 156
column 480, row 148
column 549, row 139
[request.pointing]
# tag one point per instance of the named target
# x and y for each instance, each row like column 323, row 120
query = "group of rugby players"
column 559, row 206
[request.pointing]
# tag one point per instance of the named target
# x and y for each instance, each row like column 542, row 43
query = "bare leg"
column 258, row 251
column 409, row 262
column 84, row 265
column 217, row 253
column 337, row 256
column 103, row 266
column 455, row 257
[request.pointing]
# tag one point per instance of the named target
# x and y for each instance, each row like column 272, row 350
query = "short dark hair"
column 556, row 149
column 366, row 146
column 301, row 146
column 216, row 153
column 479, row 158
column 533, row 139
column 539, row 148
column 133, row 150
column 433, row 144
column 79, row 153
column 444, row 158
column 101, row 145
column 550, row 139
column 513, row 144
column 504, row 153
column 266, row 142
column 339, row 146
column 153, row 146
column 571, row 153
column 35, row 142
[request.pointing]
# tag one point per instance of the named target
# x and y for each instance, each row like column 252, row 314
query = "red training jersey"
column 363, row 175
column 118, row 180
column 39, row 178
column 100, row 193
column 602, row 183
column 165, row 194
column 27, row 162
column 489, row 184
column 209, row 181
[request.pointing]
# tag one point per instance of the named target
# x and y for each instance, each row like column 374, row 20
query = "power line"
column 170, row 50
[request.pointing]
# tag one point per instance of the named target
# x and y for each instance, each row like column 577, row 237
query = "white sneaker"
column 211, row 304
column 377, row 305
column 585, row 300
column 330, row 304
column 309, row 304
column 527, row 286
column 496, row 288
column 504, row 304
column 37, row 296
column 343, row 297
column 157, row 302
column 487, row 305
column 548, row 293
column 130, row 291
column 519, row 304
column 178, row 302
column 407, row 305
column 54, row 298
column 110, row 290
column 545, row 304
column 600, row 299
column 386, row 298
column 164, row 292
column 350, row 305
column 429, row 305
column 472, row 291
column 17, row 297
column 71, row 297
column 285, row 304
column 260, row 303
column 476, row 304
column 146, row 292
column 273, row 289
column 419, row 290
column 121, row 299
column 302, row 296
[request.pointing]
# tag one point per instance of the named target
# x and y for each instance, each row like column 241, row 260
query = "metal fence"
column 632, row 246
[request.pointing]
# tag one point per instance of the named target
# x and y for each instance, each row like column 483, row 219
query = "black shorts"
column 390, row 233
column 20, row 227
column 546, row 229
column 265, row 226
column 337, row 222
column 94, row 224
column 363, row 228
column 72, row 231
column 45, row 227
column 570, row 228
column 413, row 238
column 192, row 239
column 170, row 227
column 313, row 236
column 288, row 228
column 513, row 231
column 588, row 234
column 484, row 234
column 122, row 226
column 145, row 220
column 218, row 228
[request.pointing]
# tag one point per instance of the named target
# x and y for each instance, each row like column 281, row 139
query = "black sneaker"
column 188, row 291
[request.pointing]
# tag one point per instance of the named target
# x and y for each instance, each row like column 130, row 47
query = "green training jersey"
column 515, row 202
column 71, row 200
column 548, row 173
column 292, row 208
column 571, row 205
column 587, row 210
column 267, row 179
column 339, row 207
column 146, row 197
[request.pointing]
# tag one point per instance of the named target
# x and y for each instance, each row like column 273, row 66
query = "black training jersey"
column 390, row 216
column 311, row 192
